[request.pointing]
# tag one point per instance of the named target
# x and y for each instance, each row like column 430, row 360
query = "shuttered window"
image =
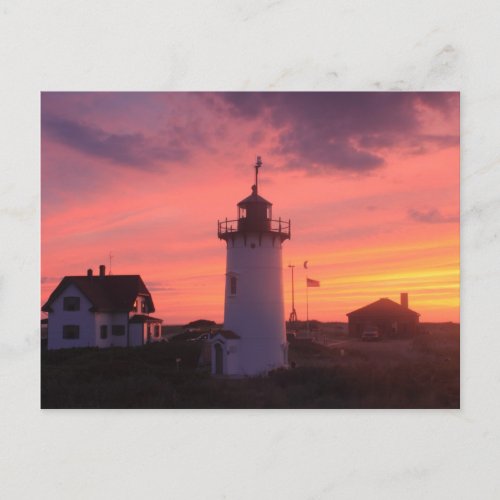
column 118, row 330
column 71, row 332
column 71, row 303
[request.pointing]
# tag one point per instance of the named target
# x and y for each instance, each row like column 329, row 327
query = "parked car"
column 203, row 336
column 370, row 334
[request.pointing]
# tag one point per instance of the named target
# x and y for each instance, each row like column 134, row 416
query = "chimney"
column 90, row 272
column 102, row 270
column 404, row 300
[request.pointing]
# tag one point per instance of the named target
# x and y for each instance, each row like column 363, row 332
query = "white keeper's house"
column 101, row 311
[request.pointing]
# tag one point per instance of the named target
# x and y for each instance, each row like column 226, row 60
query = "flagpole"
column 307, row 302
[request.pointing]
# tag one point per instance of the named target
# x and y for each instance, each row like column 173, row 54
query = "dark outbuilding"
column 390, row 318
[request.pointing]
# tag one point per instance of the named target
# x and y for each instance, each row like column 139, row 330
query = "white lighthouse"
column 253, row 340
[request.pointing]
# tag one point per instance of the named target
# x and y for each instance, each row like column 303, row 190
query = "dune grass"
column 420, row 373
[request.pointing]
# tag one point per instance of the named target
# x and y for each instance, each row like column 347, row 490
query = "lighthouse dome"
column 254, row 198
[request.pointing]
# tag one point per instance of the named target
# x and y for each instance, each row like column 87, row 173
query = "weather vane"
column 258, row 164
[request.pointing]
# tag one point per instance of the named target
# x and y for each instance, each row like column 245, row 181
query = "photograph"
column 250, row 250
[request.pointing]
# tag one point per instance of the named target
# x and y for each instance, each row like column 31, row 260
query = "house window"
column 232, row 285
column 135, row 306
column 71, row 303
column 104, row 331
column 118, row 330
column 144, row 307
column 71, row 332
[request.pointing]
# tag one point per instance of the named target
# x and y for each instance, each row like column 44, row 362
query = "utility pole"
column 307, row 296
column 293, row 314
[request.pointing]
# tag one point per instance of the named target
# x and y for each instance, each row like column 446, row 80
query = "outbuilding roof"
column 142, row 318
column 115, row 293
column 227, row 334
column 383, row 307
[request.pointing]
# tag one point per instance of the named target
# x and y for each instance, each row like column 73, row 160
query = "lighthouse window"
column 232, row 283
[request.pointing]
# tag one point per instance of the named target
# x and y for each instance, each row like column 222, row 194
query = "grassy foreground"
column 419, row 373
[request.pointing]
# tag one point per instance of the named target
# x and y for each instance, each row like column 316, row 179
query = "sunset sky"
column 370, row 182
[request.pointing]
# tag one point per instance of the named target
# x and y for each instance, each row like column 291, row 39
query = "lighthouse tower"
column 253, row 340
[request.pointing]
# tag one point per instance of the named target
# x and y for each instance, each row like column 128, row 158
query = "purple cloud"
column 446, row 102
column 130, row 149
column 431, row 216
column 326, row 131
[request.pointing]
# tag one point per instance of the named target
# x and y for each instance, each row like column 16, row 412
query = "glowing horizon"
column 370, row 182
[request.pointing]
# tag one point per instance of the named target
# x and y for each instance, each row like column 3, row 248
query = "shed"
column 392, row 319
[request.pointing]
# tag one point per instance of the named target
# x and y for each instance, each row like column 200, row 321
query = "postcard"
column 250, row 250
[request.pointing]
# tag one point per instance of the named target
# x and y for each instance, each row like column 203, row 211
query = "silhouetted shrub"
column 148, row 377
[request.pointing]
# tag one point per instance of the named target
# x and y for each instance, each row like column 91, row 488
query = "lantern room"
column 254, row 213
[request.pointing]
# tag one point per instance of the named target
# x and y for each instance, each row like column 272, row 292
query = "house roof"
column 383, row 307
column 227, row 334
column 115, row 293
column 142, row 318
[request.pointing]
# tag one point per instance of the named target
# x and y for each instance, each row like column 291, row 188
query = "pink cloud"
column 106, row 187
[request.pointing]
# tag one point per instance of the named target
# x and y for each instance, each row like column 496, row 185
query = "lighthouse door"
column 218, row 359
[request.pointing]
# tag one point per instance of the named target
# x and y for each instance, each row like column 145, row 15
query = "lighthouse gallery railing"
column 278, row 226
